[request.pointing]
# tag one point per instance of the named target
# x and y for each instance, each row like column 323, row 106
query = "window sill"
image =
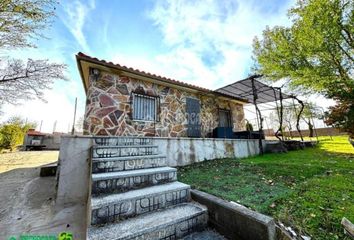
column 145, row 121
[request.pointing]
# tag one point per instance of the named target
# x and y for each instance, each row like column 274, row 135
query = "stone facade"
column 109, row 109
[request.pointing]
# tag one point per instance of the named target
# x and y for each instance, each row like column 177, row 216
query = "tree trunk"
column 310, row 128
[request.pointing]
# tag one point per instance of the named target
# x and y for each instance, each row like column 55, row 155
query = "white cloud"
column 75, row 18
column 208, row 43
column 58, row 108
column 198, row 31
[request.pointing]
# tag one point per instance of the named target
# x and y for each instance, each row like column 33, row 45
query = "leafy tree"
column 10, row 136
column 342, row 116
column 13, row 131
column 20, row 22
column 314, row 54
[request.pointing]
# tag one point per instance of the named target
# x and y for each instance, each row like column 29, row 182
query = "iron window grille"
column 145, row 108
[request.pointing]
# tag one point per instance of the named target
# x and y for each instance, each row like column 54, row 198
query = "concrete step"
column 100, row 165
column 172, row 223
column 123, row 151
column 117, row 182
column 115, row 207
column 207, row 234
column 122, row 141
column 48, row 170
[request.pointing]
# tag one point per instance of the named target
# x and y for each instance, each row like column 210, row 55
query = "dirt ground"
column 27, row 201
column 28, row 159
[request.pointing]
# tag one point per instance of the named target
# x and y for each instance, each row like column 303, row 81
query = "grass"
column 310, row 190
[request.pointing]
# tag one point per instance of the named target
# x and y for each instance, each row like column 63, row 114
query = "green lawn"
column 310, row 190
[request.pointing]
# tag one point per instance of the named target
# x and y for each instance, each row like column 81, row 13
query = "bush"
column 11, row 136
column 249, row 126
column 12, row 133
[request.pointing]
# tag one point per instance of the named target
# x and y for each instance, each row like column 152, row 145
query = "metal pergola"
column 257, row 93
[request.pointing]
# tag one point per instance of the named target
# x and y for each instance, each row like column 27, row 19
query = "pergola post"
column 258, row 114
column 299, row 115
column 280, row 113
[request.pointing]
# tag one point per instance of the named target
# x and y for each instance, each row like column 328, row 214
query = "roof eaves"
column 82, row 56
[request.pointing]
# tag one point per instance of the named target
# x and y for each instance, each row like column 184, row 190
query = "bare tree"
column 20, row 22
column 20, row 81
column 289, row 119
column 79, row 125
column 310, row 112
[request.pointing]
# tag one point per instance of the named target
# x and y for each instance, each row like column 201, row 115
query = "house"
column 122, row 101
column 37, row 140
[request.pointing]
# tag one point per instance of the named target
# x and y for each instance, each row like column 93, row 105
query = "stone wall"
column 109, row 109
column 51, row 141
column 330, row 131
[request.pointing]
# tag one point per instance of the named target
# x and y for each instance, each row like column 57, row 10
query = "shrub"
column 12, row 132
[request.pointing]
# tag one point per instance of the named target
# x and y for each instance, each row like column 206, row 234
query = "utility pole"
column 40, row 127
column 73, row 128
column 54, row 125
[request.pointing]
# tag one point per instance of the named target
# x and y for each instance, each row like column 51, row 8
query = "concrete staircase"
column 136, row 196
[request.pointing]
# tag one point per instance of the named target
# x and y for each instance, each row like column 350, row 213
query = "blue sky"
column 206, row 43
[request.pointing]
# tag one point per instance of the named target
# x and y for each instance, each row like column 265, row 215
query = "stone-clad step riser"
column 122, row 141
column 119, row 185
column 123, row 151
column 110, row 165
column 172, row 223
column 130, row 208
column 177, row 230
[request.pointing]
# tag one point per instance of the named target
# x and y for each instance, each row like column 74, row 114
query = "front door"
column 193, row 116
column 224, row 118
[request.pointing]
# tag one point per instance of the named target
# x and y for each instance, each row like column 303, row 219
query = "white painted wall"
column 184, row 151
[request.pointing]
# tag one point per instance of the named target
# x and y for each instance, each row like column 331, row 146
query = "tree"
column 26, row 81
column 79, row 125
column 342, row 116
column 289, row 118
column 13, row 131
column 20, row 22
column 23, row 20
column 316, row 53
column 310, row 112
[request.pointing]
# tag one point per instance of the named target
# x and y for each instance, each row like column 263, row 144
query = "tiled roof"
column 82, row 56
column 32, row 132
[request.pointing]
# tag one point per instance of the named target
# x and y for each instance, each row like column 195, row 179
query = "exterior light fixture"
column 94, row 73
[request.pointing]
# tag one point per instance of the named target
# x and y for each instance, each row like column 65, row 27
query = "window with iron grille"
column 145, row 108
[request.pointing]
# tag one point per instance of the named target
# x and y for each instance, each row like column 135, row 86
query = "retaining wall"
column 74, row 177
column 185, row 151
column 235, row 221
